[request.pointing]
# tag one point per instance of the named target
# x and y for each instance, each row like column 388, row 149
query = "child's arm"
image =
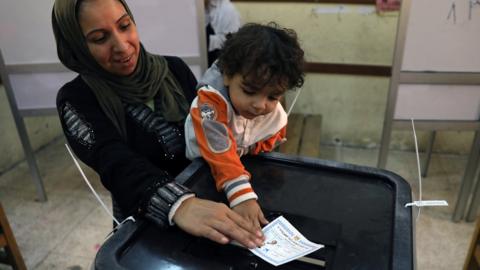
column 269, row 144
column 218, row 147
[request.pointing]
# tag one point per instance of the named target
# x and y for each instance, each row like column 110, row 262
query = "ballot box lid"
column 357, row 212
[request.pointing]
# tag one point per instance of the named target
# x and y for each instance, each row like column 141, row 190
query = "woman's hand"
column 251, row 211
column 216, row 222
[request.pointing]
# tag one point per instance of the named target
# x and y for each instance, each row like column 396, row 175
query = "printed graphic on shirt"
column 77, row 128
column 207, row 111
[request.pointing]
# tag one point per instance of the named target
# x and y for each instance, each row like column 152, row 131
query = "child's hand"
column 250, row 210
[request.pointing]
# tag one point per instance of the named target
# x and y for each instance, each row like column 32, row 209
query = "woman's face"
column 110, row 34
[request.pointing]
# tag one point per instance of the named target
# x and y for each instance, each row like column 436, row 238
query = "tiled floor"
column 66, row 231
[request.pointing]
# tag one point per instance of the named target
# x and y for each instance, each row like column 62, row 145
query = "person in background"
column 221, row 18
column 237, row 109
column 123, row 116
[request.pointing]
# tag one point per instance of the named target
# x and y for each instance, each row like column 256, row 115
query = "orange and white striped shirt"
column 215, row 132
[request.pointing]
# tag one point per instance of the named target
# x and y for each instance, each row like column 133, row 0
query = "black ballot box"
column 357, row 212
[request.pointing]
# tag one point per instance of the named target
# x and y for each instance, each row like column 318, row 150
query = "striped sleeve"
column 238, row 191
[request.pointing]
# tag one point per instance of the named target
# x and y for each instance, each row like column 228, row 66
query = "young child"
column 237, row 110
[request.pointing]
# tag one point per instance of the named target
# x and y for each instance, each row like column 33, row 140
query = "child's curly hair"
column 264, row 55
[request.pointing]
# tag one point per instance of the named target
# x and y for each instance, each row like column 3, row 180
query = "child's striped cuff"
column 238, row 191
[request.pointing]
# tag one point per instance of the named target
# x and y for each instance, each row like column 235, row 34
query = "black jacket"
column 129, row 170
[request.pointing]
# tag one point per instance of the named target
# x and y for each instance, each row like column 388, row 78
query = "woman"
column 123, row 116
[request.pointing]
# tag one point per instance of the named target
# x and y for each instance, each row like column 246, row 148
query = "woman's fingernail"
column 251, row 245
column 259, row 234
column 259, row 243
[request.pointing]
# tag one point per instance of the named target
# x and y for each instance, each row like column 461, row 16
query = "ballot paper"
column 283, row 243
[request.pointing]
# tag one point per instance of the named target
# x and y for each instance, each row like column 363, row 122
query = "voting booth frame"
column 57, row 69
column 19, row 122
column 401, row 77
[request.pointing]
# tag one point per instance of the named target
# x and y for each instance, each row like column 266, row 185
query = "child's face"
column 248, row 100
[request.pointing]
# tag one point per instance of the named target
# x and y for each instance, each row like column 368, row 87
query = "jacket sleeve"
column 130, row 177
column 218, row 147
column 269, row 144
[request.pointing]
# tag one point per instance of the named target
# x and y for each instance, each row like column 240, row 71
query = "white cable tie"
column 420, row 202
column 418, row 161
column 427, row 203
column 418, row 167
column 294, row 101
column 130, row 218
column 90, row 186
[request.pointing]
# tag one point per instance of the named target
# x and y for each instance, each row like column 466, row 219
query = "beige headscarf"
column 150, row 78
